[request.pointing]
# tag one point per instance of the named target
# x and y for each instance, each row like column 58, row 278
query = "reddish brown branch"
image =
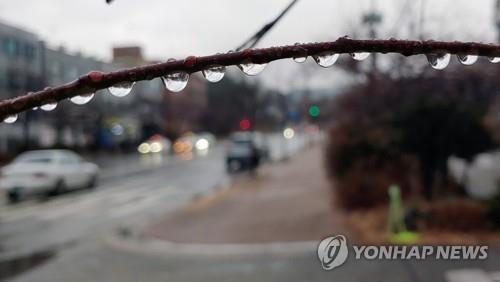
column 96, row 80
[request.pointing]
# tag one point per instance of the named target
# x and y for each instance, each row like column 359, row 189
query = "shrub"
column 363, row 171
column 459, row 215
column 379, row 124
column 365, row 185
column 494, row 210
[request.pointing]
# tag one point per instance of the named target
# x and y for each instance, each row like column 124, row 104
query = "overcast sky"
column 174, row 28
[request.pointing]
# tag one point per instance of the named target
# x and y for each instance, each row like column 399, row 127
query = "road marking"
column 495, row 276
column 467, row 275
column 107, row 202
column 142, row 203
column 85, row 204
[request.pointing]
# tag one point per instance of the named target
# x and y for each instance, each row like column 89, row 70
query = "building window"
column 29, row 52
column 32, row 82
column 2, row 79
column 70, row 73
column 14, row 80
column 10, row 47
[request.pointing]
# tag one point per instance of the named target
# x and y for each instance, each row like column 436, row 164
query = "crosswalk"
column 112, row 202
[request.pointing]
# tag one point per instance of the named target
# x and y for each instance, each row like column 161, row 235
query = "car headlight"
column 288, row 133
column 156, row 147
column 144, row 148
column 202, row 144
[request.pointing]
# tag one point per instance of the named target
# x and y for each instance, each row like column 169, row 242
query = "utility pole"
column 372, row 19
column 497, row 19
column 421, row 20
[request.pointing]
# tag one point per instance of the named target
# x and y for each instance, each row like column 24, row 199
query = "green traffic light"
column 314, row 111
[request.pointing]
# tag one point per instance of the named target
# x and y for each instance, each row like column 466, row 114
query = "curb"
column 169, row 248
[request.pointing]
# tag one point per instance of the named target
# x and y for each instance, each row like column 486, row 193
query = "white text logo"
column 332, row 252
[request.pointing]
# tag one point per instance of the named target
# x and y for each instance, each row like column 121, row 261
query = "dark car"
column 245, row 151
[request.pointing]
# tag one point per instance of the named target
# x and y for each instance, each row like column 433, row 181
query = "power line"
column 397, row 23
column 254, row 40
column 421, row 19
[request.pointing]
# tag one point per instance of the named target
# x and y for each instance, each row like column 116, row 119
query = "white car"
column 46, row 172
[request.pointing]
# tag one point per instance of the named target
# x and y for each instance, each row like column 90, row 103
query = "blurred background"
column 387, row 150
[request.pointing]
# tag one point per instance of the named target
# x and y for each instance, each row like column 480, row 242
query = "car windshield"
column 35, row 158
column 243, row 142
column 240, row 149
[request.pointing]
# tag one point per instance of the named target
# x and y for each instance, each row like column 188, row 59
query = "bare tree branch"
column 97, row 80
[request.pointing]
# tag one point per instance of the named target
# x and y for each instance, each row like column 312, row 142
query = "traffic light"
column 314, row 111
column 245, row 124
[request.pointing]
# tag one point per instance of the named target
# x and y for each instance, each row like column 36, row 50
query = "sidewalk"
column 286, row 201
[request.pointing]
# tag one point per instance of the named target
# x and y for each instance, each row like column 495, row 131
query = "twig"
column 97, row 80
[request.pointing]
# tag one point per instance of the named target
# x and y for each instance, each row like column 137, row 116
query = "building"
column 20, row 61
column 21, row 71
column 68, row 125
column 158, row 110
column 184, row 110
column 62, row 66
column 140, row 111
column 27, row 64
column 497, row 19
column 106, row 122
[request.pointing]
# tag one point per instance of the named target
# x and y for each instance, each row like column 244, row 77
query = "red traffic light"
column 245, row 124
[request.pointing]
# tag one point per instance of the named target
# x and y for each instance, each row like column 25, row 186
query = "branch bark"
column 95, row 80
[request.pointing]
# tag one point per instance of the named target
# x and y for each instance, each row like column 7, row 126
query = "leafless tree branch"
column 97, row 80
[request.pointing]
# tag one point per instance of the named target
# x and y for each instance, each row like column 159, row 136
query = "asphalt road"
column 133, row 191
column 122, row 202
column 68, row 238
column 100, row 262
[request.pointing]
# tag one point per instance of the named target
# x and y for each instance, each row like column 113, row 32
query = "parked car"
column 245, row 151
column 46, row 172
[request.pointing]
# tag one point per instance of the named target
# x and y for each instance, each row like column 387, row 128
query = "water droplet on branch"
column 252, row 69
column 326, row 60
column 49, row 106
column 214, row 73
column 82, row 99
column 121, row 89
column 467, row 60
column 176, row 81
column 360, row 56
column 11, row 119
column 299, row 59
column 439, row 61
column 494, row 60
